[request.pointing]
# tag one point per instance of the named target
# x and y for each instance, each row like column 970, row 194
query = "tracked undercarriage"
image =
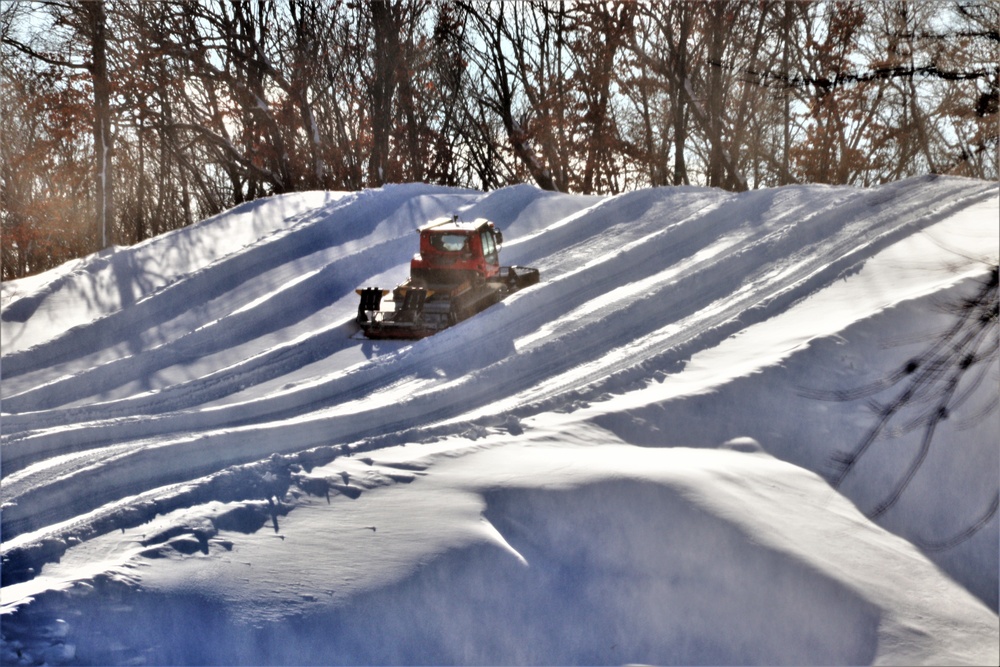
column 455, row 275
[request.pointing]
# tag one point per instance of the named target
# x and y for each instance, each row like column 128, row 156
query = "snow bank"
column 210, row 453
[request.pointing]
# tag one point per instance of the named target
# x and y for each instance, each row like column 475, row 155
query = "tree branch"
column 45, row 57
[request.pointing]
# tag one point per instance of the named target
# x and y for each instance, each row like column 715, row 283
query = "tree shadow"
column 935, row 384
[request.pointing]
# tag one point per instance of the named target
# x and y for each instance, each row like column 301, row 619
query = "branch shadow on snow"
column 948, row 514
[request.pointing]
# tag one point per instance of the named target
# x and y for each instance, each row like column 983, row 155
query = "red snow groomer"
column 455, row 275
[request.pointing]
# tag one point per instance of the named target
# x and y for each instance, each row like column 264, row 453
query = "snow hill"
column 628, row 462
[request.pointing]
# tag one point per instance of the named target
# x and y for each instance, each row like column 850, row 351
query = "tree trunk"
column 385, row 29
column 716, row 100
column 679, row 99
column 103, row 138
column 784, row 177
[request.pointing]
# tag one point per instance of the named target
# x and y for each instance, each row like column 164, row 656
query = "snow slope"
column 629, row 462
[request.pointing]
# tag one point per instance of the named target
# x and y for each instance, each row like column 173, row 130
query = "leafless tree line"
column 123, row 119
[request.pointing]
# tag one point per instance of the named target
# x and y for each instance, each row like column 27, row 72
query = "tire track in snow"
column 640, row 341
column 292, row 303
column 766, row 291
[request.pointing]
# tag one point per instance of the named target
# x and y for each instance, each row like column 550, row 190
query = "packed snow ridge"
column 635, row 460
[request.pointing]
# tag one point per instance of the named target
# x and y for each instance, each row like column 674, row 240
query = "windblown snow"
column 631, row 461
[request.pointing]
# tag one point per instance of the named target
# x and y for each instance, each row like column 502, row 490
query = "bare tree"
column 87, row 22
column 196, row 105
column 387, row 22
column 677, row 65
column 601, row 31
column 500, row 93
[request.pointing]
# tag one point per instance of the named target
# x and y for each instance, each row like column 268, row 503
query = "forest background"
column 120, row 120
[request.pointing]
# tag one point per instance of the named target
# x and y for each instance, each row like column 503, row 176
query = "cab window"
column 489, row 247
column 449, row 242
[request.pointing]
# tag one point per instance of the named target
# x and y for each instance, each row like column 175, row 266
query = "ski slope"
column 179, row 412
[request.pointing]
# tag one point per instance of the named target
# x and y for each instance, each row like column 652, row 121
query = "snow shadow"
column 671, row 585
column 948, row 495
column 603, row 584
column 607, row 585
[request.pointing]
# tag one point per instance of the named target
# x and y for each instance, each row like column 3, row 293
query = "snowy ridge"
column 210, row 382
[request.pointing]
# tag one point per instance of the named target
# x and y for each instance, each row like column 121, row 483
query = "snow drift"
column 628, row 462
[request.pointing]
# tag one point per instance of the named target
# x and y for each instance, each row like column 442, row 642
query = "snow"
column 628, row 462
